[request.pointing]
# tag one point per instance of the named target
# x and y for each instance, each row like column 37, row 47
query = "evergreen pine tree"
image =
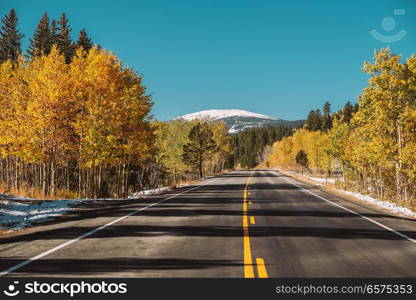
column 347, row 112
column 326, row 119
column 42, row 41
column 63, row 39
column 54, row 32
column 314, row 120
column 10, row 37
column 84, row 41
column 302, row 159
column 310, row 119
column 356, row 107
column 200, row 147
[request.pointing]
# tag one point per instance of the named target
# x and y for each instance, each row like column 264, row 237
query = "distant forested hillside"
column 253, row 145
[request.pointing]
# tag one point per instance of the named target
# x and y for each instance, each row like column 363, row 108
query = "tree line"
column 68, row 126
column 323, row 121
column 47, row 34
column 371, row 146
column 75, row 122
column 84, row 129
column 253, row 145
column 191, row 149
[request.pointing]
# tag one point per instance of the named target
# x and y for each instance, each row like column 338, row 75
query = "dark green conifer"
column 347, row 112
column 42, row 40
column 326, row 118
column 302, row 159
column 63, row 38
column 10, row 37
column 200, row 147
column 54, row 32
column 84, row 41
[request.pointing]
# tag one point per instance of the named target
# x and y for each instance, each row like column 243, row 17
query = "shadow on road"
column 249, row 173
column 113, row 265
column 203, row 202
column 142, row 231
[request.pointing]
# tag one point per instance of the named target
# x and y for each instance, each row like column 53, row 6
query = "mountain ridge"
column 215, row 114
column 238, row 120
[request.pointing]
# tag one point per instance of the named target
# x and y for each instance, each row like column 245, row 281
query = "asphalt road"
column 243, row 224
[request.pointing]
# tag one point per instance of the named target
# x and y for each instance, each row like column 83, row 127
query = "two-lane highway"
column 301, row 231
column 242, row 224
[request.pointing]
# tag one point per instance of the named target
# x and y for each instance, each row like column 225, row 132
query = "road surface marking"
column 252, row 220
column 249, row 202
column 34, row 258
column 356, row 213
column 261, row 268
column 248, row 261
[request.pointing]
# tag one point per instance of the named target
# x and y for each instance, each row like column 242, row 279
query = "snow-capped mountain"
column 237, row 119
column 216, row 114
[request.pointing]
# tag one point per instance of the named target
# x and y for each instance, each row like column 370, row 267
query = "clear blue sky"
column 281, row 58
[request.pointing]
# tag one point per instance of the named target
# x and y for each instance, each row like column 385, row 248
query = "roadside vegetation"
column 74, row 122
column 187, row 150
column 369, row 147
column 254, row 145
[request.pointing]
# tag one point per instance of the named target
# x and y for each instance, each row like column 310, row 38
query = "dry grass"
column 36, row 193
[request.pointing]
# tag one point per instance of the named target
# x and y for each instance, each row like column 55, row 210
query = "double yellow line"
column 248, row 260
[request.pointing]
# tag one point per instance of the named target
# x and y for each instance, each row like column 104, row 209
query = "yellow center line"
column 252, row 220
column 248, row 261
column 261, row 268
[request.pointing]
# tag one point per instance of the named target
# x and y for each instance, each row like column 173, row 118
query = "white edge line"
column 355, row 213
column 32, row 259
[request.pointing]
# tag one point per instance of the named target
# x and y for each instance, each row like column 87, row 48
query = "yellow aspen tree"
column 224, row 147
column 52, row 112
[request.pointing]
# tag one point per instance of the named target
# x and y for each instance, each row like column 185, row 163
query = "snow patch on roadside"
column 156, row 191
column 17, row 212
column 17, row 215
column 387, row 205
column 150, row 192
column 390, row 206
column 322, row 180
